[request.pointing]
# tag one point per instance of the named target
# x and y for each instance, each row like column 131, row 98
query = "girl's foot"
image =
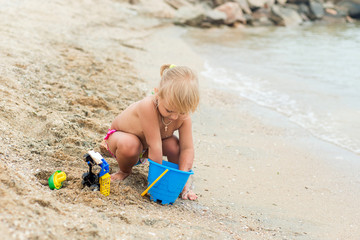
column 119, row 176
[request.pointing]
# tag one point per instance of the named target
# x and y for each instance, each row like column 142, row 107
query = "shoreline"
column 257, row 81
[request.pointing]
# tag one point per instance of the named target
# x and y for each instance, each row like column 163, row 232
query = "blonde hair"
column 179, row 87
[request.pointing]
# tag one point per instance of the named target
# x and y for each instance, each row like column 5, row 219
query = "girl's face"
column 166, row 111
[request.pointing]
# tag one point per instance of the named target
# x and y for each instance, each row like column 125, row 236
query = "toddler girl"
column 146, row 128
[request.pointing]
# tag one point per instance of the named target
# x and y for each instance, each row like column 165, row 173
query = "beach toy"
column 154, row 182
column 166, row 181
column 56, row 179
column 98, row 177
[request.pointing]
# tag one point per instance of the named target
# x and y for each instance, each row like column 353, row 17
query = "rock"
column 333, row 15
column 156, row 9
column 215, row 17
column 261, row 17
column 134, row 2
column 284, row 16
column 350, row 7
column 218, row 2
column 244, row 6
column 330, row 19
column 261, row 3
column 293, row 7
column 281, row 2
column 197, row 16
column 298, row 1
column 304, row 11
column 176, row 4
column 187, row 13
column 233, row 12
column 349, row 19
column 335, row 12
column 248, row 18
column 317, row 10
column 331, row 11
column 328, row 5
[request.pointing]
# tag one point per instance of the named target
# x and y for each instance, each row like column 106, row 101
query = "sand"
column 68, row 68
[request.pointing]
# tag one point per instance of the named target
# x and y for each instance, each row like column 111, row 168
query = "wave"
column 320, row 124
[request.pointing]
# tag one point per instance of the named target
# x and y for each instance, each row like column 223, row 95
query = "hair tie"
column 172, row 66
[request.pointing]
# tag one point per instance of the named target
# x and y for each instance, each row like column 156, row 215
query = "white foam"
column 320, row 124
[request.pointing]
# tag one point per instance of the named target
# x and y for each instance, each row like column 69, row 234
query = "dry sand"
column 69, row 67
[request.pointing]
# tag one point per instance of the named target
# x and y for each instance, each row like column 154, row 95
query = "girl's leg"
column 171, row 149
column 126, row 149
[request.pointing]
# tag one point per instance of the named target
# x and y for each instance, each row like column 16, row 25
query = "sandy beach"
column 68, row 68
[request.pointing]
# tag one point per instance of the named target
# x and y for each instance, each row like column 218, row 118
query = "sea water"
column 309, row 74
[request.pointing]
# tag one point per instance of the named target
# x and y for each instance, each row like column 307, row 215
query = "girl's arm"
column 150, row 126
column 186, row 145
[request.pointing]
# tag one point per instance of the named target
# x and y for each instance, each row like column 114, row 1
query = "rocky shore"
column 235, row 13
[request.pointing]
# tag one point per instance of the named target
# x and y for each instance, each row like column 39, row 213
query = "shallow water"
column 309, row 74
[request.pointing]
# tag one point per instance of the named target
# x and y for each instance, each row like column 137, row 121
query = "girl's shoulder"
column 147, row 104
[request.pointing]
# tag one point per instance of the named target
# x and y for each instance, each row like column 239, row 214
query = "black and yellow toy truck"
column 98, row 177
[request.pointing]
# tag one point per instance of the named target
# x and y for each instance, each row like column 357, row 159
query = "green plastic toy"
column 56, row 179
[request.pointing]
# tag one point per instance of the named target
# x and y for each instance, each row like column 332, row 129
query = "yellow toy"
column 105, row 184
column 56, row 179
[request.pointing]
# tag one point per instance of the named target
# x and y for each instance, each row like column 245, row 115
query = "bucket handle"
column 153, row 183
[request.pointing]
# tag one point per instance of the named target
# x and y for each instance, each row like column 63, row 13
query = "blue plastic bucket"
column 168, row 188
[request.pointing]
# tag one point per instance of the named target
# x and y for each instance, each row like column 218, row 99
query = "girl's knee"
column 172, row 146
column 129, row 148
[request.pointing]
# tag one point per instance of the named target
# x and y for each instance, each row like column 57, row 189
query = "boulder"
column 244, row 6
column 260, row 3
column 134, row 2
column 218, row 2
column 284, row 16
column 281, row 2
column 335, row 12
column 331, row 19
column 292, row 6
column 261, row 17
column 298, row 1
column 317, row 10
column 329, row 5
column 188, row 12
column 215, row 17
column 232, row 11
column 350, row 7
column 176, row 4
column 331, row 11
column 304, row 12
column 333, row 15
column 156, row 9
column 198, row 16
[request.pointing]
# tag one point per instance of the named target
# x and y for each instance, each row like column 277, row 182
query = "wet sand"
column 69, row 68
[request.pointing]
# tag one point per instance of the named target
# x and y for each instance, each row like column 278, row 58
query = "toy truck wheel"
column 94, row 187
column 85, row 175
